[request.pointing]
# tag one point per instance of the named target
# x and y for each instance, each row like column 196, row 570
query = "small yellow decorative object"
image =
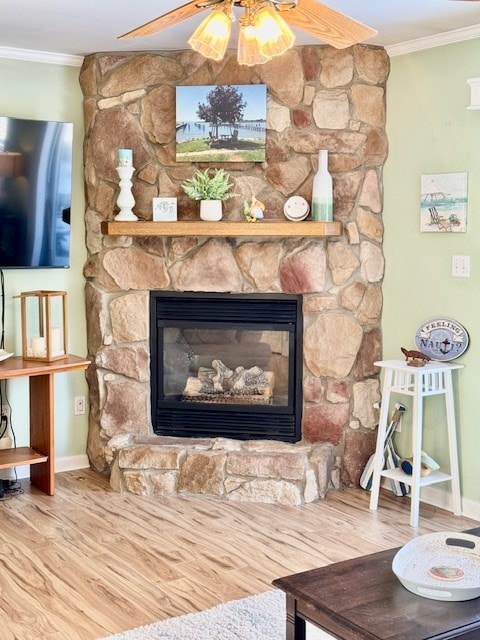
column 253, row 210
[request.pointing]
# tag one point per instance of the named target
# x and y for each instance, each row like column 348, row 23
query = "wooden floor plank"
column 88, row 561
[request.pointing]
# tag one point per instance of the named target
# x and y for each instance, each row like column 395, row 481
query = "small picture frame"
column 444, row 202
column 164, row 209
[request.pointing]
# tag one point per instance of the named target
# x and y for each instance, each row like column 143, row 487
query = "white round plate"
column 296, row 209
column 442, row 339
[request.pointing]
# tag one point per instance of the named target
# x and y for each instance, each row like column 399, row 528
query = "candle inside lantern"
column 56, row 341
column 125, row 157
column 38, row 347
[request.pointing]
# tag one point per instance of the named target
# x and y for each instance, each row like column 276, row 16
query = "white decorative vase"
column 125, row 200
column 211, row 210
column 322, row 192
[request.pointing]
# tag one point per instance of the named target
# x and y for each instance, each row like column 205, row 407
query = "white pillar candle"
column 125, row 157
column 56, row 345
column 38, row 346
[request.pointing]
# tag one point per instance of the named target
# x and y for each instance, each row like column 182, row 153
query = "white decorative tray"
column 440, row 566
column 4, row 355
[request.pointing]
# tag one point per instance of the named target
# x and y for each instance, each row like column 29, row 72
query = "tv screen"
column 35, row 193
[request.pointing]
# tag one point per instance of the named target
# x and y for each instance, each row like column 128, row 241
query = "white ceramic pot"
column 210, row 210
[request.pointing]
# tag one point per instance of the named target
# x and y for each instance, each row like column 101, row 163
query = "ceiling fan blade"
column 328, row 25
column 167, row 20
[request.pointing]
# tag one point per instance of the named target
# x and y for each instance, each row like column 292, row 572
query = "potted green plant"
column 210, row 190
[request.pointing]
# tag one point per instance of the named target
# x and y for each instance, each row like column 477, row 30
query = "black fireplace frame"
column 281, row 312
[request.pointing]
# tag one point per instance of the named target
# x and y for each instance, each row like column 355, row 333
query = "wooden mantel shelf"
column 224, row 228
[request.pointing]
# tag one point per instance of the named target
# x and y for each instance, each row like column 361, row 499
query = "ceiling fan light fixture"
column 211, row 37
column 249, row 52
column 273, row 34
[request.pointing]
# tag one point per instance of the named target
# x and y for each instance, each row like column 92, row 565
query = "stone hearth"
column 318, row 98
column 258, row 471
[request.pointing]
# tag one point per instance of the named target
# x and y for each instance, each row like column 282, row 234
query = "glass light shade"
column 273, row 34
column 212, row 35
column 249, row 52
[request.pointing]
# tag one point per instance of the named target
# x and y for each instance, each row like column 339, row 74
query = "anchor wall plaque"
column 442, row 339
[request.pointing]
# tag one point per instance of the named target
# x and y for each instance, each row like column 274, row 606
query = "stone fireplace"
column 317, row 98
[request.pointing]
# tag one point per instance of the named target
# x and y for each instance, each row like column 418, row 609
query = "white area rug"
column 260, row 617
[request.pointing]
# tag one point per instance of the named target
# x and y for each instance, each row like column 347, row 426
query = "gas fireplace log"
column 221, row 381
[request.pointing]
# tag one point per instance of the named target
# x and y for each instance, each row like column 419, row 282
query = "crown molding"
column 401, row 48
column 438, row 40
column 46, row 57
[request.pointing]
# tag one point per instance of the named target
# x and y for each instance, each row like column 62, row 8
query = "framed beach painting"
column 221, row 123
column 444, row 200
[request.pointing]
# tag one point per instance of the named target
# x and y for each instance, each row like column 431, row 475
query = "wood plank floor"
column 89, row 562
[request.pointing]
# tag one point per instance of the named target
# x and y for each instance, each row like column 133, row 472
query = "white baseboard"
column 67, row 463
column 443, row 500
column 71, row 463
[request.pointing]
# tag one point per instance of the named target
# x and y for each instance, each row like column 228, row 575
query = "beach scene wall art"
column 221, row 123
column 444, row 201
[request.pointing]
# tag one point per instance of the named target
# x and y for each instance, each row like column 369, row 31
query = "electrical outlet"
column 79, row 405
column 460, row 266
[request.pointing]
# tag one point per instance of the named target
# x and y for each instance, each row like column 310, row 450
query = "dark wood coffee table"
column 362, row 599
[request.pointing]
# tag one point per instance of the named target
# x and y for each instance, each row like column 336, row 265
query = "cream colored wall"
column 50, row 92
column 431, row 131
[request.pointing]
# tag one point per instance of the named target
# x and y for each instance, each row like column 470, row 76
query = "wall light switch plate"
column 460, row 266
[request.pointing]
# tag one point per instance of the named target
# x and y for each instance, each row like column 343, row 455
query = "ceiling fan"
column 256, row 26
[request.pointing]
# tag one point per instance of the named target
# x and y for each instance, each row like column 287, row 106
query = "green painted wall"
column 50, row 92
column 430, row 130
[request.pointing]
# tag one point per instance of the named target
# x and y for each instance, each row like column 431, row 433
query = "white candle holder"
column 125, row 200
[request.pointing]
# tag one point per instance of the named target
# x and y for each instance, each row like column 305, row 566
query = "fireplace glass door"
column 226, row 365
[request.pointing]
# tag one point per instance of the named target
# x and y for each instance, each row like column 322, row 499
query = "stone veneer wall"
column 318, row 98
column 253, row 470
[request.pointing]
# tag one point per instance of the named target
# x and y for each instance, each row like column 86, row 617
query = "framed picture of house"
column 444, row 201
column 221, row 123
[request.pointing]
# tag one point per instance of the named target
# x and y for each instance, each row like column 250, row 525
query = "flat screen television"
column 35, row 193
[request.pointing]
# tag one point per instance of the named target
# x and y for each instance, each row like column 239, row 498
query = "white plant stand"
column 418, row 382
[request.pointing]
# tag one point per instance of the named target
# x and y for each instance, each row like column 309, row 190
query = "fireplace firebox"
column 226, row 365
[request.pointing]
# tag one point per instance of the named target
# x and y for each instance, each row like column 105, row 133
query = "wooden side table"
column 40, row 453
column 418, row 382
